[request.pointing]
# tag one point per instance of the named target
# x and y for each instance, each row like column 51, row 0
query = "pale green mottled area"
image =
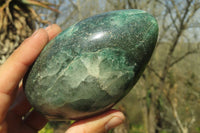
column 91, row 65
column 108, row 67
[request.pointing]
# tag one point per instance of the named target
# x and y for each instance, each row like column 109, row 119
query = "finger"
column 35, row 120
column 98, row 124
column 53, row 30
column 16, row 66
column 21, row 105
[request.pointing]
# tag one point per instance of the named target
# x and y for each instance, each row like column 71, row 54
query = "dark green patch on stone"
column 91, row 65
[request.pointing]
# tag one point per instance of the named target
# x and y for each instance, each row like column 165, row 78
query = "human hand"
column 14, row 107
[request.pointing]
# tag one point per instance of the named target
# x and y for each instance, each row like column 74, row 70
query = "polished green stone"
column 91, row 65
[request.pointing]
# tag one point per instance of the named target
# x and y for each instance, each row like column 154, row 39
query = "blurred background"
column 166, row 99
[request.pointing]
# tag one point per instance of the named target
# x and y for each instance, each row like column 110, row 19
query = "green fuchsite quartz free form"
column 91, row 65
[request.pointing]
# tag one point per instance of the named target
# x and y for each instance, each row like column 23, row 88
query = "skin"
column 14, row 107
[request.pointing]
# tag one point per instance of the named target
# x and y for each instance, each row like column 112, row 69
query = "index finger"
column 14, row 69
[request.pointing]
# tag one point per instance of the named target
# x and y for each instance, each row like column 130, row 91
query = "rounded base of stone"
column 74, row 115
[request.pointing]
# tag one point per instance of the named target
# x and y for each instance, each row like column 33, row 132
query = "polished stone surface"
column 91, row 65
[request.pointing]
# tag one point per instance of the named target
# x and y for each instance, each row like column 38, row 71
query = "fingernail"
column 53, row 27
column 115, row 121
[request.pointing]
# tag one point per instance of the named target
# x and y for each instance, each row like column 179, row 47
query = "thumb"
column 98, row 124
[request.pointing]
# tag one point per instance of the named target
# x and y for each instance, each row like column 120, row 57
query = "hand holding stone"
column 91, row 65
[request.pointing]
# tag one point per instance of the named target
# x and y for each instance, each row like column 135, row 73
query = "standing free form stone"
column 91, row 65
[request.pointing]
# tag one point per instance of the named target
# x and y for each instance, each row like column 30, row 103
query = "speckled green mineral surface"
column 91, row 65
